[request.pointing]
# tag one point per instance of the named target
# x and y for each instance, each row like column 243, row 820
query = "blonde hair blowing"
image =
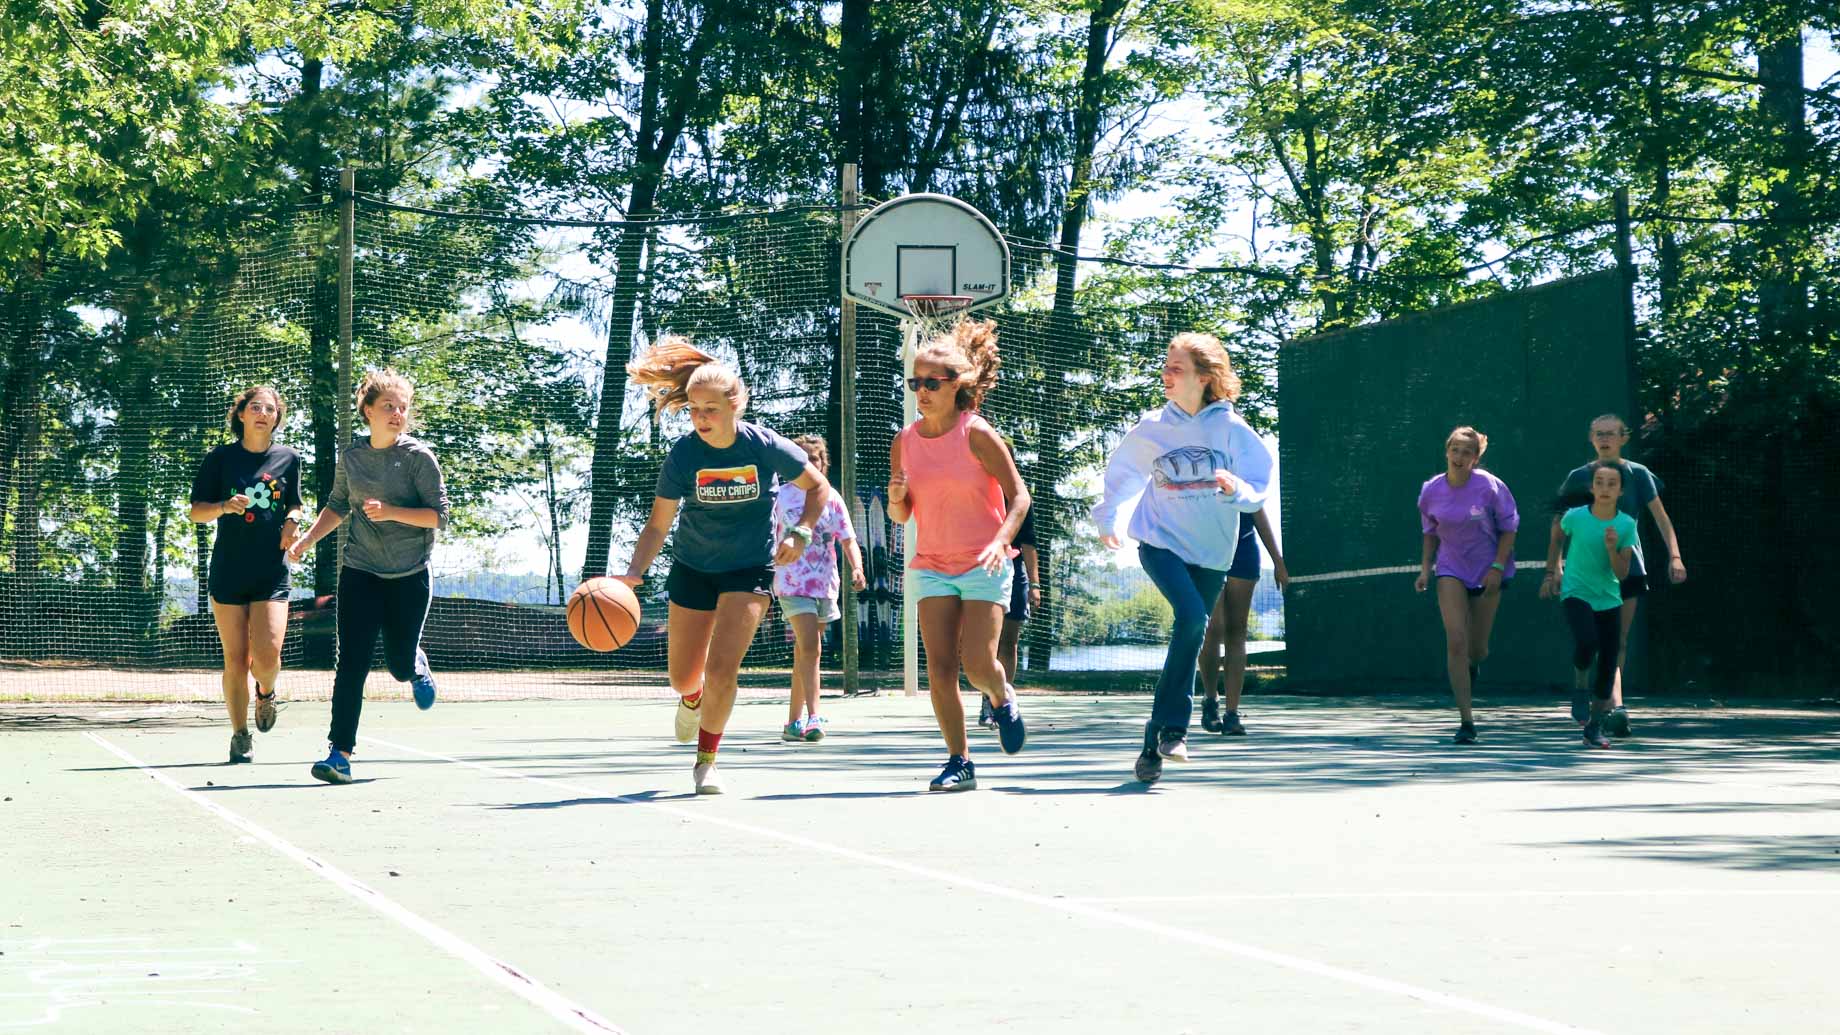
column 1211, row 364
column 1465, row 431
column 377, row 382
column 969, row 350
column 671, row 367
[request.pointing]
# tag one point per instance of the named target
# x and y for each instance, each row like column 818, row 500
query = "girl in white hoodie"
column 1198, row 466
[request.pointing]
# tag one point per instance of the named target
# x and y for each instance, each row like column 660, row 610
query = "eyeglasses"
column 260, row 408
column 931, row 384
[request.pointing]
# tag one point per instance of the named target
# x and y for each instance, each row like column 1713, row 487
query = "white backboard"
column 924, row 244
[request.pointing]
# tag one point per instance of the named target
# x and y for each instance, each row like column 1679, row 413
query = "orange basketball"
column 603, row 614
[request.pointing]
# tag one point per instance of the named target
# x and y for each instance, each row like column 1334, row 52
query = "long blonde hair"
column 672, row 366
column 1211, row 364
column 969, row 350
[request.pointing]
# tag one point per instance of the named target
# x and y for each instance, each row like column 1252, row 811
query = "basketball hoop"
column 930, row 308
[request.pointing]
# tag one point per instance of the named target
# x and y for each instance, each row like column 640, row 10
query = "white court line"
column 1396, row 569
column 1339, row 896
column 1058, row 905
column 571, row 1014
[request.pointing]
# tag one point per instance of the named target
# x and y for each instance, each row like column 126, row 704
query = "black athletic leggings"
column 1595, row 634
column 369, row 605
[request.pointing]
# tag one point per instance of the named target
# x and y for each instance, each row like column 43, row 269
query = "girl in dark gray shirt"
column 384, row 584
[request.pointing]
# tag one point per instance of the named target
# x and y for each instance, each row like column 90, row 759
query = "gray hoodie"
column 404, row 475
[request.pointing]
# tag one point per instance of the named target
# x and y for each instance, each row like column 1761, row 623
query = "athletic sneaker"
column 986, row 719
column 1210, row 714
column 958, row 775
column 1172, row 745
column 794, row 731
column 1230, row 725
column 1149, row 768
column 1010, row 730
column 335, row 769
column 1581, row 706
column 423, row 687
column 687, row 719
column 1594, row 735
column 708, row 781
column 1618, row 722
column 1466, row 734
column 814, row 728
column 241, row 744
column 265, row 710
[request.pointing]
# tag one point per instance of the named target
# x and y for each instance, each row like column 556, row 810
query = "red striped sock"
column 706, row 745
column 692, row 700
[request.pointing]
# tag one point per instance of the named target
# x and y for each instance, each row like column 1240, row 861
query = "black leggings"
column 368, row 605
column 1595, row 634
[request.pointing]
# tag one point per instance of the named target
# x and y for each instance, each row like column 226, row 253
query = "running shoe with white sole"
column 708, row 781
column 687, row 719
column 958, row 775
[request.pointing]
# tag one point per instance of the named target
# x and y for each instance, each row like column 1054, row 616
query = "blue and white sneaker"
column 423, row 683
column 335, row 768
column 958, row 775
column 1011, row 732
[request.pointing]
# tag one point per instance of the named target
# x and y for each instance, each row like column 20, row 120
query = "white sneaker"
column 708, row 781
column 688, row 719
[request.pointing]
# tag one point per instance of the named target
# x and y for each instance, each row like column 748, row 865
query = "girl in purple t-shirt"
column 807, row 588
column 1469, row 521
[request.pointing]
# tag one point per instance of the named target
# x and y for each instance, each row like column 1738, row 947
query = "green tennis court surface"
column 530, row 867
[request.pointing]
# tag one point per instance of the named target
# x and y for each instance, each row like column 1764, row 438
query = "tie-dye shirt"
column 814, row 573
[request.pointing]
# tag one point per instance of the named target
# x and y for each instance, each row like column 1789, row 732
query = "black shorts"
column 698, row 590
column 234, row 586
column 1635, row 586
column 1018, row 595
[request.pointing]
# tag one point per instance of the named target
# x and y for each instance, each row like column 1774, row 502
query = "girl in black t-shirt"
column 251, row 489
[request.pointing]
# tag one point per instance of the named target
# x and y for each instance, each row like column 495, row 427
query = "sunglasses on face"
column 931, row 384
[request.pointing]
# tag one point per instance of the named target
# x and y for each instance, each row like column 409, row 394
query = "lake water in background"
column 1130, row 657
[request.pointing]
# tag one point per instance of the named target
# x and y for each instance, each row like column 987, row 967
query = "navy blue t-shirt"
column 725, row 522
column 271, row 479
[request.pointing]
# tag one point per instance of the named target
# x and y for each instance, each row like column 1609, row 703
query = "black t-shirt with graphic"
column 271, row 480
column 726, row 519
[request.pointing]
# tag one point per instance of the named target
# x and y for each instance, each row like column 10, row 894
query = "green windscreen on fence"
column 1366, row 413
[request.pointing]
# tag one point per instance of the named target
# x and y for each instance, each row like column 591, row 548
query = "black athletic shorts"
column 698, row 590
column 235, row 586
column 1018, row 593
column 1635, row 586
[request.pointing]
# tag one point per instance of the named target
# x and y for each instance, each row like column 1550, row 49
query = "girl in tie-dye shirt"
column 807, row 589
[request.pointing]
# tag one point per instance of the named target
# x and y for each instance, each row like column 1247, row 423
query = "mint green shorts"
column 976, row 584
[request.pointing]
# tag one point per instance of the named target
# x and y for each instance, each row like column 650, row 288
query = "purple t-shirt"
column 1469, row 523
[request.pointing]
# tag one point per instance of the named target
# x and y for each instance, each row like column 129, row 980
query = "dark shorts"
column 1474, row 591
column 1018, row 595
column 1246, row 555
column 699, row 590
column 235, row 586
column 1635, row 586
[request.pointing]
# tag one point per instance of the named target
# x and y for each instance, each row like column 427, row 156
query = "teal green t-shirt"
column 1588, row 574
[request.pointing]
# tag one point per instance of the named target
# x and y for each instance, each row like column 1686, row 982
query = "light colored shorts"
column 824, row 607
column 976, row 584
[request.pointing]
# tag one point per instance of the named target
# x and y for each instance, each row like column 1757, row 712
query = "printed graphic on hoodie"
column 1189, row 469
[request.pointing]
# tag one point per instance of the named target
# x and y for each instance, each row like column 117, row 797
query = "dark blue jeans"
column 1191, row 590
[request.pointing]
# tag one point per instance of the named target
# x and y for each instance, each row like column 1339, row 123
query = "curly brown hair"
column 1211, row 365
column 969, row 352
column 816, row 450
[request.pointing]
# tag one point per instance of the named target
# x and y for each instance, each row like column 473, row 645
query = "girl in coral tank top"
column 951, row 472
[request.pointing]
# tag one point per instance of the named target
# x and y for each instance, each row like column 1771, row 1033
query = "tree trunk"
column 1783, row 285
column 1656, row 156
column 1066, row 346
column 20, row 426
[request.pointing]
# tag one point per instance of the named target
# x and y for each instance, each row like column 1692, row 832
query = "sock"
column 691, row 701
column 706, row 746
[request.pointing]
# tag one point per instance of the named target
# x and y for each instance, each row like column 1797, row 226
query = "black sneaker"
column 1230, row 725
column 1149, row 768
column 241, row 744
column 1172, row 745
column 1594, row 735
column 1466, row 734
column 1581, row 706
column 958, row 775
column 985, row 718
column 1617, row 722
column 1010, row 731
column 1210, row 714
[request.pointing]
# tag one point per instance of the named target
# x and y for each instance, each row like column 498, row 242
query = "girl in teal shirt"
column 1596, row 543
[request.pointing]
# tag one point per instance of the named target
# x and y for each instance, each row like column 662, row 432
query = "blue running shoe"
column 958, row 775
column 1010, row 730
column 336, row 768
column 423, row 685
